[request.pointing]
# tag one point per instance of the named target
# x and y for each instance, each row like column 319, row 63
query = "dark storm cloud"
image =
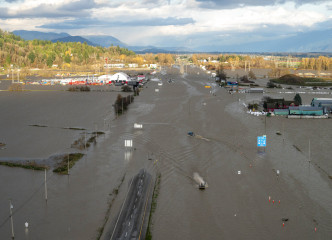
column 224, row 4
column 89, row 22
column 46, row 10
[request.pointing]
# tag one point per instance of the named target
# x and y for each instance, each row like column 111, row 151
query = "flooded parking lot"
column 258, row 203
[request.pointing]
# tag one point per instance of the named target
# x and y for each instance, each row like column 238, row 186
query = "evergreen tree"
column 298, row 99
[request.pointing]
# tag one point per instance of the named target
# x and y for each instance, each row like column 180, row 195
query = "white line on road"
column 122, row 209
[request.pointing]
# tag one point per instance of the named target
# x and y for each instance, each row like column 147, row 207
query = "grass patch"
column 37, row 125
column 297, row 148
column 291, row 79
column 62, row 167
column 155, row 195
column 98, row 133
column 15, row 87
column 29, row 165
column 79, row 89
column 81, row 144
column 74, row 128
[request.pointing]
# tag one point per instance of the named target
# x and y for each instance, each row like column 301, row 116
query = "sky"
column 186, row 23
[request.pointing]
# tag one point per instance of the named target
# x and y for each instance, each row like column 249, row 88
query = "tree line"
column 17, row 52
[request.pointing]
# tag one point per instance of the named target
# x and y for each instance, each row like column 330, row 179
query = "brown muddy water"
column 234, row 206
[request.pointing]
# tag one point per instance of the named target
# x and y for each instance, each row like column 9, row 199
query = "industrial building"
column 255, row 90
column 306, row 110
column 325, row 103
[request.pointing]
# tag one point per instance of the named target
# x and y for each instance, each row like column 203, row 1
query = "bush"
column 15, row 87
column 126, row 88
column 121, row 103
column 79, row 89
column 270, row 85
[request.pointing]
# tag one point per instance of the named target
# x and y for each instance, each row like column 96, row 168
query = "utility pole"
column 45, row 187
column 309, row 153
column 85, row 141
column 11, row 218
column 68, row 165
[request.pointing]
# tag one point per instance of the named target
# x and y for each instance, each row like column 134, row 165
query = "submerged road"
column 133, row 213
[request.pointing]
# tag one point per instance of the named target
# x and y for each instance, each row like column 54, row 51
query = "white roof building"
column 120, row 77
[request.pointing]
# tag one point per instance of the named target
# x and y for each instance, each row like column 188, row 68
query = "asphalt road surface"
column 132, row 216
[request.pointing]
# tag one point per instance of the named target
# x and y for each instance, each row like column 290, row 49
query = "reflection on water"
column 128, row 155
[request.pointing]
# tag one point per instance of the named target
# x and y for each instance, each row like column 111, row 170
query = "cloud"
column 53, row 10
column 227, row 4
column 90, row 22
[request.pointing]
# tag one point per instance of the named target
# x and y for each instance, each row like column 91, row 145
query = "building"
column 114, row 65
column 281, row 112
column 325, row 103
column 306, row 110
column 120, row 77
column 255, row 90
column 133, row 65
column 278, row 103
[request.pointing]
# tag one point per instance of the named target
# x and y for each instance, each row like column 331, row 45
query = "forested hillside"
column 44, row 54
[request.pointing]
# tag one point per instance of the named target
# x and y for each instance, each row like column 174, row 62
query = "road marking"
column 129, row 224
column 121, row 208
column 146, row 203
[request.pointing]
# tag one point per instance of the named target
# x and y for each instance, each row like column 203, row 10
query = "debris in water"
column 284, row 219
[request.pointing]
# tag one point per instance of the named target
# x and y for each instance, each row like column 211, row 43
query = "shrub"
column 15, row 87
column 126, row 88
column 79, row 89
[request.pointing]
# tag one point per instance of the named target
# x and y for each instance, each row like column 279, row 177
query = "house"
column 278, row 103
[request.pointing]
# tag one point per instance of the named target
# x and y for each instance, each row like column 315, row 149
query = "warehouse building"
column 306, row 110
column 325, row 103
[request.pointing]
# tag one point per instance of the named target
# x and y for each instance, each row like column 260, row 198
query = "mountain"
column 153, row 49
column 313, row 41
column 74, row 39
column 31, row 35
column 105, row 41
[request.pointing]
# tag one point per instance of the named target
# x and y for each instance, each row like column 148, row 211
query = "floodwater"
column 234, row 206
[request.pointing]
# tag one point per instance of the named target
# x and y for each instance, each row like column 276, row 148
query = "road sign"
column 128, row 143
column 261, row 141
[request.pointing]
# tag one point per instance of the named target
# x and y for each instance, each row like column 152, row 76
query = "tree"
column 298, row 99
column 32, row 57
column 252, row 75
column 220, row 73
column 67, row 58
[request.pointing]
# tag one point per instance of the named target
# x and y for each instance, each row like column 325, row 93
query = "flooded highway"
column 134, row 211
column 245, row 198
